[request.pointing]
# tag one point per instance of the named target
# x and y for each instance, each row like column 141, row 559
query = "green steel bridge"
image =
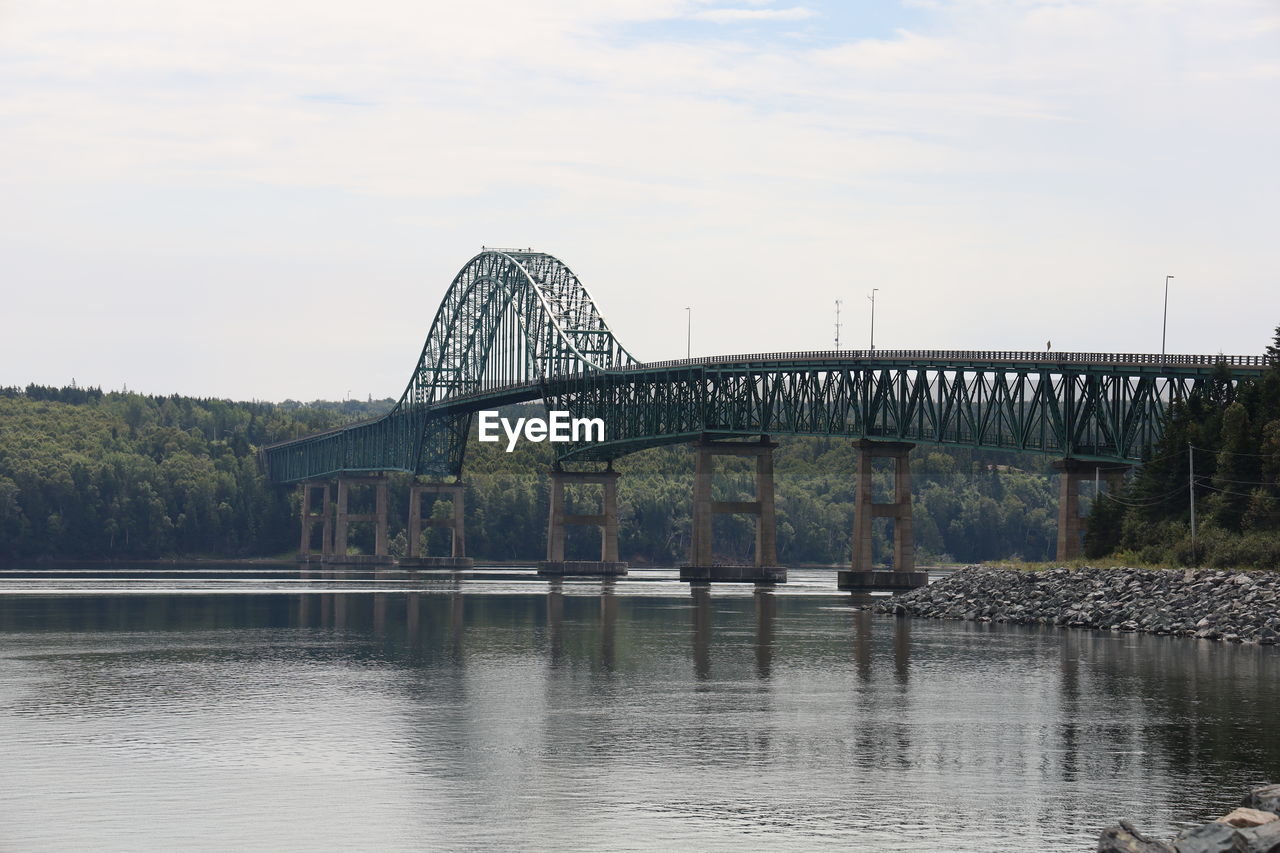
column 519, row 326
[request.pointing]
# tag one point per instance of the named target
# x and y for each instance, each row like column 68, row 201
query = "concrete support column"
column 862, row 576
column 1070, row 528
column 700, row 536
column 558, row 521
column 701, row 552
column 609, row 533
column 345, row 518
column 863, row 558
column 456, row 492
column 1073, row 472
column 555, row 520
column 767, row 523
column 310, row 518
column 904, row 539
column 899, row 509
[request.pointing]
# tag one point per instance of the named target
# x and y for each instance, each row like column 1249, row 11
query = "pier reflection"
column 605, row 690
column 608, row 624
column 701, row 595
column 766, row 613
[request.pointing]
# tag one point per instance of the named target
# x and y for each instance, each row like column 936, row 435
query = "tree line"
column 1221, row 449
column 87, row 474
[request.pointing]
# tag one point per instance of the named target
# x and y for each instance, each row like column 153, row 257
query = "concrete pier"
column 457, row 557
column 559, row 520
column 310, row 518
column 1072, row 472
column 701, row 567
column 862, row 576
column 378, row 518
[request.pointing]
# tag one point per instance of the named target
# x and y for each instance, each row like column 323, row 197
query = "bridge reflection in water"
column 518, row 325
column 601, row 715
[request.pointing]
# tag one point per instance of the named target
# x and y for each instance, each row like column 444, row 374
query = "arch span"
column 510, row 319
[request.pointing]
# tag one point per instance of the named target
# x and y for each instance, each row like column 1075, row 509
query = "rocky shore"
column 1237, row 607
column 1252, row 828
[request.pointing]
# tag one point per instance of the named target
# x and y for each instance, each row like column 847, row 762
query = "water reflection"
column 766, row 612
column 701, row 594
column 862, row 643
column 608, row 624
column 570, row 713
column 555, row 621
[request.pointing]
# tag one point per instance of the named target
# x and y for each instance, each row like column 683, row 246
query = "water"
column 199, row 709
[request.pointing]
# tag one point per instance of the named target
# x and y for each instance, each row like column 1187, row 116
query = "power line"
column 1229, row 492
column 1215, row 477
column 1158, row 500
column 1235, row 453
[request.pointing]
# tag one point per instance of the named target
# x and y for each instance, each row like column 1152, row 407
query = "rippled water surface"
column 198, row 709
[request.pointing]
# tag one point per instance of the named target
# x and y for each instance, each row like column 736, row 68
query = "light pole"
column 872, row 297
column 688, row 332
column 838, row 302
column 1164, row 326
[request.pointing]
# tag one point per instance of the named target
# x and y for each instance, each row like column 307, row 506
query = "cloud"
column 975, row 147
column 726, row 16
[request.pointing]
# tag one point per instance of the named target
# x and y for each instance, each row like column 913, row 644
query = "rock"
column 1246, row 817
column 1123, row 838
column 1210, row 838
column 1212, row 605
column 1266, row 798
column 1262, row 839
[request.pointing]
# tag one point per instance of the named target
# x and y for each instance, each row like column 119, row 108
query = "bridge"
column 518, row 326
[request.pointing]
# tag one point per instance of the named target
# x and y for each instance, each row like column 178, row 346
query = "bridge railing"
column 1015, row 356
column 1050, row 359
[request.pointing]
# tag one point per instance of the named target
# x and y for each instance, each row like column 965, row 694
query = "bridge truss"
column 519, row 326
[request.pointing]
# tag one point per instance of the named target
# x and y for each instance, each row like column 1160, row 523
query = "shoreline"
column 1254, row 827
column 1208, row 604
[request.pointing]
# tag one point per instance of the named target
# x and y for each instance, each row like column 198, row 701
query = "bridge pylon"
column 457, row 559
column 559, row 520
column 862, row 576
column 1072, row 472
column 310, row 519
column 378, row 518
column 701, row 567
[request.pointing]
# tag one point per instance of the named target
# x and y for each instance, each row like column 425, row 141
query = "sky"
column 267, row 199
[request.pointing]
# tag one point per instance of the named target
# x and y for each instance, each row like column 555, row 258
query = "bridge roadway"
column 518, row 326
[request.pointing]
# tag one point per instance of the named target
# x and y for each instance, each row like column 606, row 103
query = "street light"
column 688, row 333
column 872, row 297
column 1164, row 327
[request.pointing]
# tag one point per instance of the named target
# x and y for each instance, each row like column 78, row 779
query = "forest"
column 87, row 474
column 1220, row 449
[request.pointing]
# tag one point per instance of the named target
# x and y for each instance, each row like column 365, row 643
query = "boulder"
column 1266, row 798
column 1123, row 838
column 1262, row 839
column 1246, row 817
column 1210, row 838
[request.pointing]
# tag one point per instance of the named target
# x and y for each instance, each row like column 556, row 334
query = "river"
column 224, row 708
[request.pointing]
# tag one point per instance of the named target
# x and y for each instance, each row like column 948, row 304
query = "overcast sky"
column 268, row 198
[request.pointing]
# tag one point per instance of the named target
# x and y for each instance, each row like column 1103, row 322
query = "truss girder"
column 517, row 326
column 1094, row 414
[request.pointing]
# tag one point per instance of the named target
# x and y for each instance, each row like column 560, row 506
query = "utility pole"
column 1164, row 326
column 688, row 332
column 837, row 325
column 1191, row 487
column 872, row 297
